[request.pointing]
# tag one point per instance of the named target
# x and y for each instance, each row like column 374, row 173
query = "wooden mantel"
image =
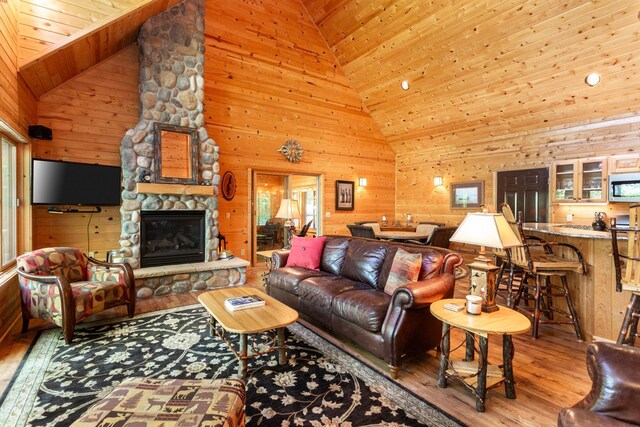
column 153, row 188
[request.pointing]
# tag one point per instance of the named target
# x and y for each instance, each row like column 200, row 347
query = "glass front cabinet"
column 579, row 181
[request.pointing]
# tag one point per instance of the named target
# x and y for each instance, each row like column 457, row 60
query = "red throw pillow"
column 306, row 252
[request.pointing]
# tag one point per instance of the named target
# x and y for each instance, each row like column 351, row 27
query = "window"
column 306, row 198
column 9, row 205
column 264, row 207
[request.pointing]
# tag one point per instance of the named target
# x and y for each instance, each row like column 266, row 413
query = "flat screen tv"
column 67, row 183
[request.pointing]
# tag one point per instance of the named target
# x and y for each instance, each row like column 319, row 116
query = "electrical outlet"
column 241, row 252
column 327, row 214
column 569, row 217
column 228, row 215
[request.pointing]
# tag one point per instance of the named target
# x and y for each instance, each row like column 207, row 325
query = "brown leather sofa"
column 346, row 295
column 614, row 399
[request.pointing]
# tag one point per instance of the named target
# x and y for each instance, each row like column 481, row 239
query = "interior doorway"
column 268, row 189
column 526, row 191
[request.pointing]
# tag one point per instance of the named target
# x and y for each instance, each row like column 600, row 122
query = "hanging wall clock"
column 228, row 185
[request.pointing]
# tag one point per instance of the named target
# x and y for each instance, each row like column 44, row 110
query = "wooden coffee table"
column 505, row 322
column 273, row 316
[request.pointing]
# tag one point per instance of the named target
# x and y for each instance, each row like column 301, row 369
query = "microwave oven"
column 624, row 187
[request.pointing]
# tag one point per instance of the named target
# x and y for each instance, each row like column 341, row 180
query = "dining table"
column 401, row 235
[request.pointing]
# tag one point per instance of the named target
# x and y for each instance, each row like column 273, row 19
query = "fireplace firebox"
column 171, row 237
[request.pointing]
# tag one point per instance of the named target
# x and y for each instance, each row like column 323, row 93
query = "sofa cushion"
column 404, row 269
column 320, row 291
column 335, row 249
column 432, row 262
column 365, row 308
column 306, row 252
column 364, row 260
column 289, row 278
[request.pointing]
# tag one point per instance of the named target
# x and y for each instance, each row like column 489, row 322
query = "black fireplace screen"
column 171, row 237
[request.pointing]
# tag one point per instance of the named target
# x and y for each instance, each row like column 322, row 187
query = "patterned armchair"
column 63, row 286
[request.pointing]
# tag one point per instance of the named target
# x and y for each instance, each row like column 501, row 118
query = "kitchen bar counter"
column 569, row 230
column 600, row 308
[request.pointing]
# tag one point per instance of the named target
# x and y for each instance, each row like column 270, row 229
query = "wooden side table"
column 505, row 322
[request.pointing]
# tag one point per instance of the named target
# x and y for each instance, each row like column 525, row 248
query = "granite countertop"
column 571, row 230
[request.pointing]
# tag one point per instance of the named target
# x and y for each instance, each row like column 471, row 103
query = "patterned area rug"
column 321, row 385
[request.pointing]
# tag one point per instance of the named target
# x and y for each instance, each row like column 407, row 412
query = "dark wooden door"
column 526, row 191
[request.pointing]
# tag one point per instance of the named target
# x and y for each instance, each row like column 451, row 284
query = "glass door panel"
column 269, row 190
column 592, row 179
column 565, row 181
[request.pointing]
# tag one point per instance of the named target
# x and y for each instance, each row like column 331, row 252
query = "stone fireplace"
column 172, row 92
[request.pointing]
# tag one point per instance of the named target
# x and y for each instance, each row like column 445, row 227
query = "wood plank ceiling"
column 480, row 69
column 59, row 39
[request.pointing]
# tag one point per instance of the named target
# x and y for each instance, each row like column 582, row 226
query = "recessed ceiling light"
column 405, row 85
column 593, row 79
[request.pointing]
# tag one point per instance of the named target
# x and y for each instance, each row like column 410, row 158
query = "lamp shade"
column 486, row 229
column 288, row 209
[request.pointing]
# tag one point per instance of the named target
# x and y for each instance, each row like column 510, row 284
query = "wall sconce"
column 362, row 182
column 437, row 180
column 404, row 85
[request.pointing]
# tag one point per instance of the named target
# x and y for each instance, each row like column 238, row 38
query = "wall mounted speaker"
column 40, row 132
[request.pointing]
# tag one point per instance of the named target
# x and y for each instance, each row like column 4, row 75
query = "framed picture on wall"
column 467, row 195
column 344, row 195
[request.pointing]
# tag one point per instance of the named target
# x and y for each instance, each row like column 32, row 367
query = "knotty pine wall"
column 493, row 86
column 18, row 108
column 480, row 160
column 270, row 77
column 42, row 24
column 88, row 116
column 8, row 60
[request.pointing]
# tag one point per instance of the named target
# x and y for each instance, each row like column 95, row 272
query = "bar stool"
column 630, row 281
column 504, row 288
column 543, row 267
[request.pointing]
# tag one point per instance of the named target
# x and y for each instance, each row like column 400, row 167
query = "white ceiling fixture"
column 593, row 79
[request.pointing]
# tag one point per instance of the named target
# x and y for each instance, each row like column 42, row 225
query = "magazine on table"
column 242, row 303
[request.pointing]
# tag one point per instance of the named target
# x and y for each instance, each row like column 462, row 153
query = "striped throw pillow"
column 405, row 269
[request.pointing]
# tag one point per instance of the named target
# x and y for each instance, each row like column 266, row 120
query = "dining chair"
column 441, row 236
column 427, row 228
column 374, row 225
column 305, row 229
column 361, row 231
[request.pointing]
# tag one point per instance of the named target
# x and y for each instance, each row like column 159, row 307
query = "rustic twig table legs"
column 448, row 368
column 277, row 343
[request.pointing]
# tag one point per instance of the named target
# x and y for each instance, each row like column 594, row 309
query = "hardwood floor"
column 550, row 372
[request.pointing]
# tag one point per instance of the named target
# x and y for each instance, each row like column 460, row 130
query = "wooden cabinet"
column 624, row 163
column 577, row 181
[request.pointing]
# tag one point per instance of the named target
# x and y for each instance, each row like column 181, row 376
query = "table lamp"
column 288, row 211
column 485, row 230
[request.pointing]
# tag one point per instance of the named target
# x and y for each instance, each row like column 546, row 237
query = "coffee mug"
column 474, row 304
